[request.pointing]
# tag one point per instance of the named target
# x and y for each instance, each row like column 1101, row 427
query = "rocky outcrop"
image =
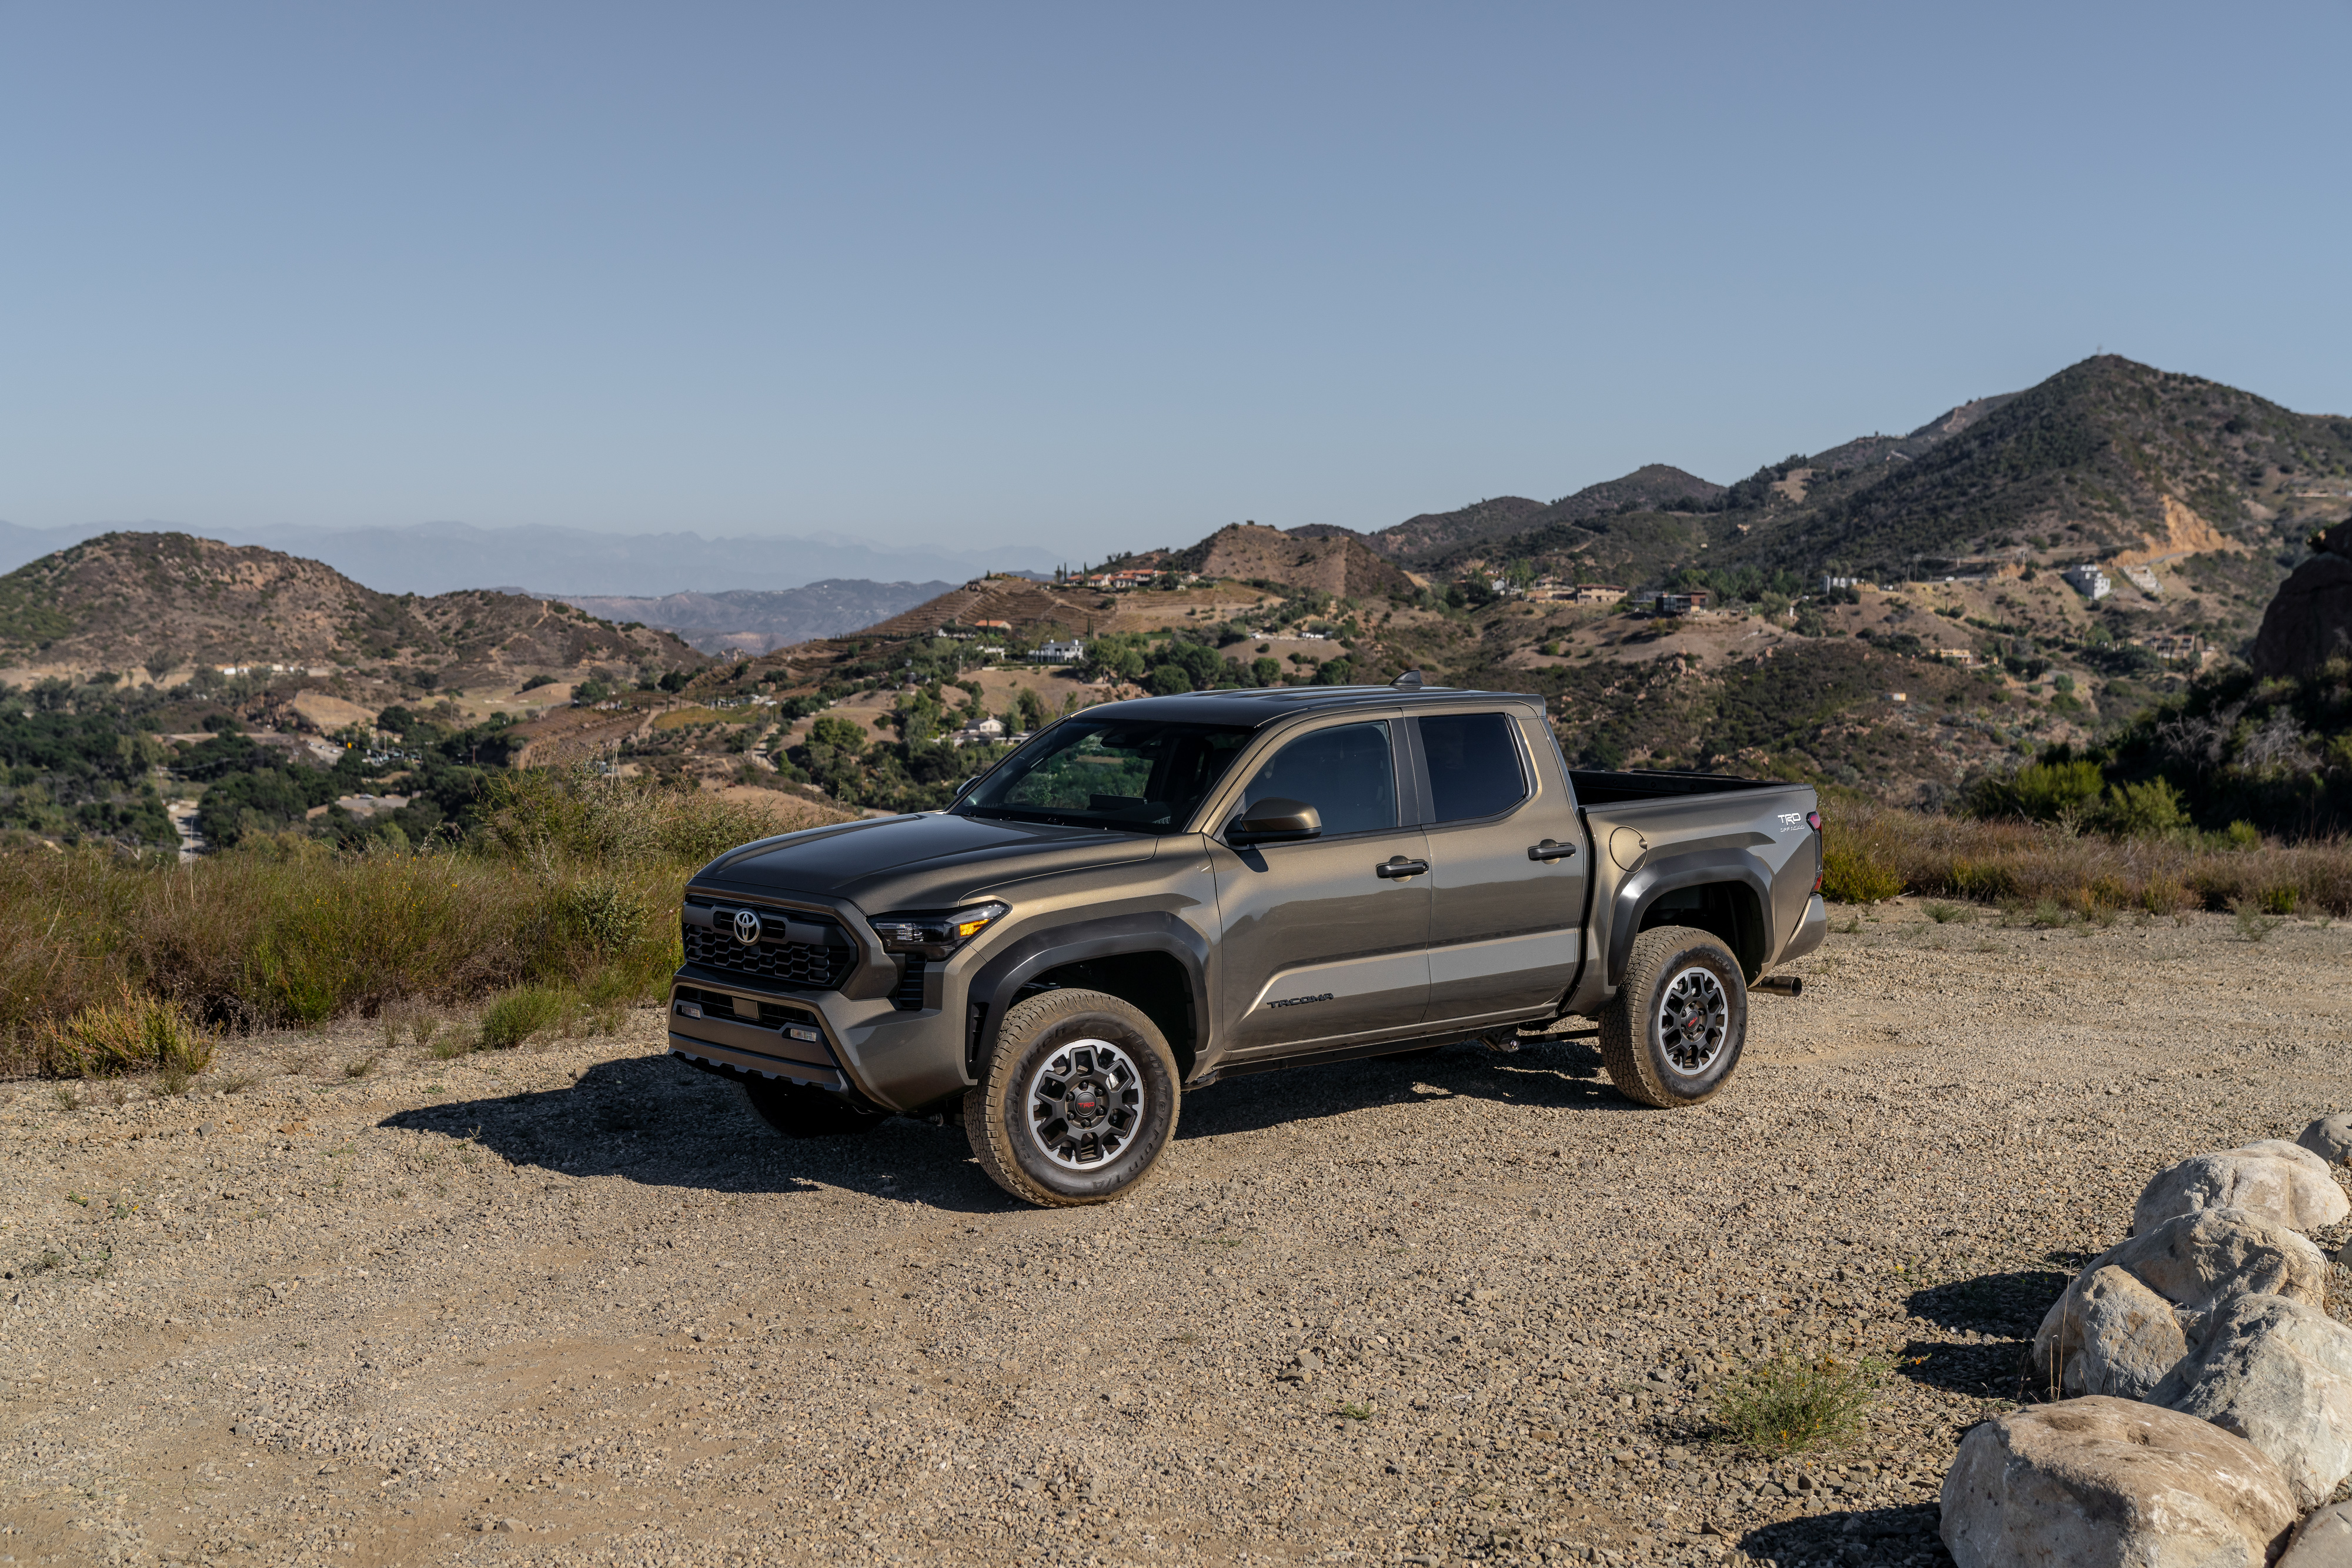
column 2102, row 1337
column 2275, row 1180
column 2323, row 1541
column 2279, row 1375
column 2309, row 619
column 2330, row 1138
column 2107, row 1483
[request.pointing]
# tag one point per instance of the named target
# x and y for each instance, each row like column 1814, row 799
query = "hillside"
column 160, row 602
column 1334, row 564
column 1438, row 536
column 2107, row 455
column 757, row 621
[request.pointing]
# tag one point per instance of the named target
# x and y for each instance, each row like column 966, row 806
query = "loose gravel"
column 571, row 1305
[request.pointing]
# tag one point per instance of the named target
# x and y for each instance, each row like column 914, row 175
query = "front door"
column 1324, row 939
column 1503, row 926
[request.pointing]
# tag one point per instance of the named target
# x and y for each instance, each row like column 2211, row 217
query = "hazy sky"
column 1100, row 275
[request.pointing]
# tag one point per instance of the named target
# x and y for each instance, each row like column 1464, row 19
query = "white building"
column 1068, row 652
column 986, row 732
column 2088, row 581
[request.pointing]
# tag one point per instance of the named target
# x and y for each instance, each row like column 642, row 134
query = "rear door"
column 1324, row 940
column 1505, row 927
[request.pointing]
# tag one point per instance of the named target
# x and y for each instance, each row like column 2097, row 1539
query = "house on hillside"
column 1596, row 593
column 1068, row 652
column 2088, row 581
column 1679, row 603
column 983, row 732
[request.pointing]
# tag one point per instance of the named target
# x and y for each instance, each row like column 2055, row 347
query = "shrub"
column 2143, row 811
column 129, row 1033
column 517, row 1015
column 1851, row 873
column 1789, row 1402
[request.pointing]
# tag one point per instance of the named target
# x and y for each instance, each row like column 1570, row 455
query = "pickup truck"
column 1149, row 896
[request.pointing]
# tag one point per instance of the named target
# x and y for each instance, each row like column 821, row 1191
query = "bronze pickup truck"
column 1150, row 895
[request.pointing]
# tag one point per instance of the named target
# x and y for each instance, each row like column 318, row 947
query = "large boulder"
column 2309, row 621
column 2109, row 1483
column 2323, row 1541
column 2195, row 1263
column 2275, row 1179
column 2279, row 1375
column 2330, row 1138
column 2115, row 1336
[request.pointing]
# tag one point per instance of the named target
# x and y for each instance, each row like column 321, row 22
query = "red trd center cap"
column 1085, row 1102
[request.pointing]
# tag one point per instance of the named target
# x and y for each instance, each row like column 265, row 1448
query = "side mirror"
column 965, row 788
column 1275, row 822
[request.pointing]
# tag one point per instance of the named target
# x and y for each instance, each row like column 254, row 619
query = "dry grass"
column 572, row 888
column 1876, row 852
column 1790, row 1403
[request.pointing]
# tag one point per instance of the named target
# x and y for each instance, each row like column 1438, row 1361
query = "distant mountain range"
column 755, row 622
column 436, row 558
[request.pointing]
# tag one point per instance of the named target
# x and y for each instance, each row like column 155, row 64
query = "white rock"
column 2109, row 1334
column 2324, row 1541
column 2108, row 1483
column 2330, row 1138
column 2196, row 1263
column 2279, row 1375
column 2275, row 1179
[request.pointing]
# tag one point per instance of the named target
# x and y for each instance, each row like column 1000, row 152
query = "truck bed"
column 1613, row 787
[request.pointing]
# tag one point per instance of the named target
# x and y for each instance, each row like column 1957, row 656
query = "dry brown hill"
column 160, row 601
column 1344, row 565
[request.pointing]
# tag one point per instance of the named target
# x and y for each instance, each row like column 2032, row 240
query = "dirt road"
column 571, row 1305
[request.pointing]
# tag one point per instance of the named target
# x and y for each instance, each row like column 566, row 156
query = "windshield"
column 1138, row 777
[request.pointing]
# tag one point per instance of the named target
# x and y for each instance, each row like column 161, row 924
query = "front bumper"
column 897, row 1061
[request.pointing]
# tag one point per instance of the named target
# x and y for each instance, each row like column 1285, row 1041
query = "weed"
column 120, row 1209
column 2280, row 899
column 2253, row 925
column 126, row 1033
column 1790, row 1403
column 235, row 1083
column 173, row 1081
column 77, row 1198
column 1852, row 926
column 66, row 1098
column 117, row 1094
column 397, row 1194
column 359, row 1066
column 49, row 1261
column 1354, row 1412
column 1945, row 914
column 449, row 1047
column 424, row 1027
column 517, row 1015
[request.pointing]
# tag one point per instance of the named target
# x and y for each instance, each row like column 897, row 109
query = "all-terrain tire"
column 797, row 1111
column 1077, row 1100
column 1674, row 1034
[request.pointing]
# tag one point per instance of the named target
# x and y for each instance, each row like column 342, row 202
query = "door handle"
column 1397, row 866
column 1550, row 849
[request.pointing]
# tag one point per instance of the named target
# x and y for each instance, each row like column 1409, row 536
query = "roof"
column 1255, row 706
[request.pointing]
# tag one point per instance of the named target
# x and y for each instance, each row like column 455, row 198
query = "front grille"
column 908, row 997
column 816, row 965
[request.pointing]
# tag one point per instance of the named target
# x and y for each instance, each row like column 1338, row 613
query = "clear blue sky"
column 1093, row 275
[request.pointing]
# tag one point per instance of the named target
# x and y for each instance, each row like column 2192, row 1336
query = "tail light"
column 1814, row 820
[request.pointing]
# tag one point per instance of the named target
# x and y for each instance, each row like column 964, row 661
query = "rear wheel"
column 797, row 1111
column 1674, row 1032
column 1077, row 1100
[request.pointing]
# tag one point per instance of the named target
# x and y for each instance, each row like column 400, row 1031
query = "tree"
column 1031, row 708
column 838, row 733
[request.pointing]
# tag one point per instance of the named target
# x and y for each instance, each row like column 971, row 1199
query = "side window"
column 1345, row 773
column 1474, row 765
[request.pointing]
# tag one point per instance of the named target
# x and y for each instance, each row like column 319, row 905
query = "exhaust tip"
column 1781, row 985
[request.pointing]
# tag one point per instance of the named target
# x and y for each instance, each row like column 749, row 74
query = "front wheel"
column 1674, row 1033
column 1077, row 1100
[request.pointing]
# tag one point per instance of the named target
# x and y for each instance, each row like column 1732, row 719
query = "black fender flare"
column 1670, row 874
column 998, row 982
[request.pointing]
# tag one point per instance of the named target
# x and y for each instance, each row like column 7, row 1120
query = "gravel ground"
column 571, row 1305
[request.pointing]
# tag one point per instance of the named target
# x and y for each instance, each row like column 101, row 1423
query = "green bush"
column 2149, row 811
column 517, row 1015
column 1789, row 1402
column 1851, row 874
column 129, row 1033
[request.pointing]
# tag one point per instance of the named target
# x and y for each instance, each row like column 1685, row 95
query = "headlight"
column 936, row 935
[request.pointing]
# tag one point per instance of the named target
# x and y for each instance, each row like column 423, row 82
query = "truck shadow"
column 1551, row 1074
column 648, row 1120
column 1871, row 1535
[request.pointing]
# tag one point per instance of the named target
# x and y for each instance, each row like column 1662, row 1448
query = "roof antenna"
column 1410, row 681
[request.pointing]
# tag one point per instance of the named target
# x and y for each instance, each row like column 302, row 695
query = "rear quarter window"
column 1474, row 765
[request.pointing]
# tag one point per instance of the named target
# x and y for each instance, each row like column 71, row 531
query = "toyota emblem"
column 747, row 927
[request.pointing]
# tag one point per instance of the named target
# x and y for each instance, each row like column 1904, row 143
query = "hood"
column 917, row 862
